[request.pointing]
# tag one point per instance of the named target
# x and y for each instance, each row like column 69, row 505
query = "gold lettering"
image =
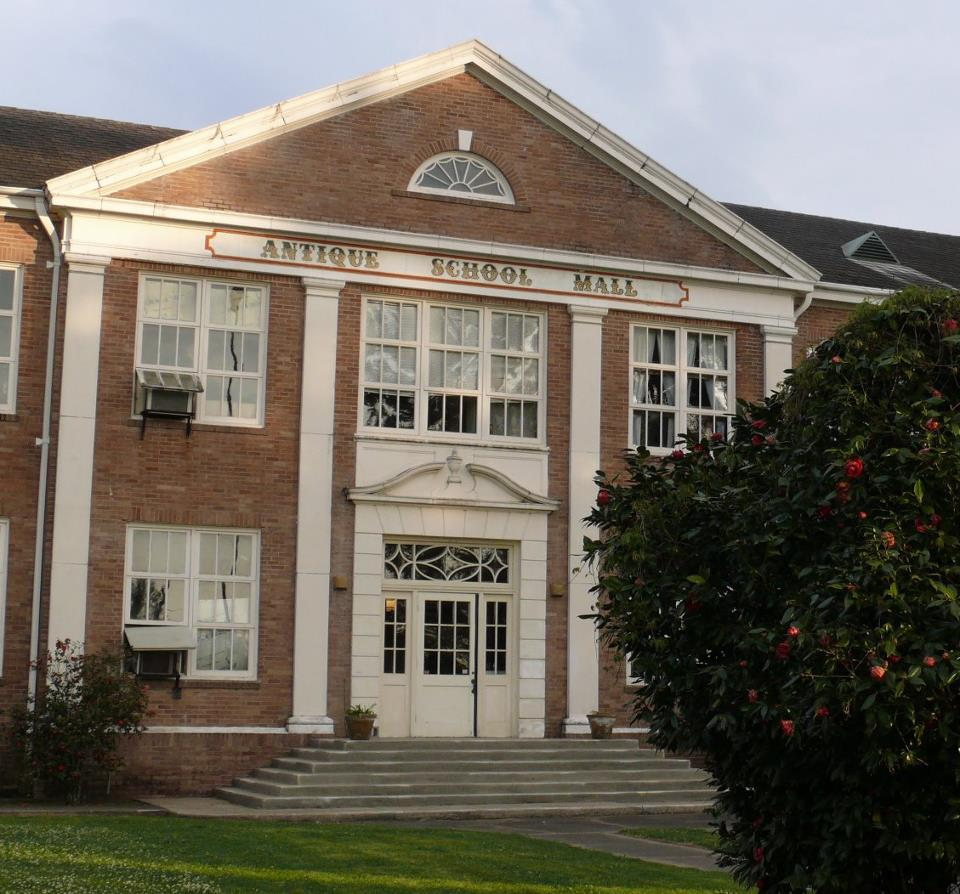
column 584, row 284
column 437, row 268
column 269, row 250
column 470, row 271
column 615, row 287
column 306, row 252
column 373, row 262
column 321, row 254
column 338, row 256
column 488, row 272
column 288, row 251
column 628, row 288
column 524, row 279
column 453, row 269
column 508, row 275
column 355, row 256
column 600, row 287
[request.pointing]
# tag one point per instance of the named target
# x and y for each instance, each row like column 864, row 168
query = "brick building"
column 305, row 406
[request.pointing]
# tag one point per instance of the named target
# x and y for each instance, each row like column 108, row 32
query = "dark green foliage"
column 791, row 601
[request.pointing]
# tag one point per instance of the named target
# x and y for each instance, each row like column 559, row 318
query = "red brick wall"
column 235, row 477
column 355, row 169
column 818, row 323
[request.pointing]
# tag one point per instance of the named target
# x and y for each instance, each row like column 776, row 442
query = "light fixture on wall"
column 558, row 589
column 339, row 582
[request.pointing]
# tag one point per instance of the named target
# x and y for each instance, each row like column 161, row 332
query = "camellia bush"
column 68, row 736
column 790, row 600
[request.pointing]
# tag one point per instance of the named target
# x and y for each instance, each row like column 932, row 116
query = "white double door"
column 458, row 681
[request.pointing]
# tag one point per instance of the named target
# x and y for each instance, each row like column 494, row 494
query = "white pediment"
column 454, row 483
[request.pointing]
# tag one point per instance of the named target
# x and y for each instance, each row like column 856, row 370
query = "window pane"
column 693, row 350
column 452, row 371
column 221, row 650
column 531, row 375
column 169, row 300
column 374, row 311
column 435, row 412
column 515, row 332
column 150, row 344
column 251, row 352
column 252, row 308
column 469, row 416
column 244, row 567
column 529, row 419
column 391, row 320
column 391, row 357
column 707, row 359
column 514, row 418
column 175, row 601
column 158, row 551
column 371, row 364
column 514, row 375
column 531, row 334
column 185, row 348
column 436, row 369
column 207, row 601
column 241, row 650
column 4, row 383
column 408, row 322
column 6, row 336
column 497, row 417
column 151, row 299
column 138, row 599
column 471, row 328
column 178, row 552
column 471, row 371
column 720, row 393
column 217, row 311
column 249, row 398
column 721, row 355
column 437, row 325
column 168, row 345
column 451, row 420
column 226, row 553
column 7, row 279
column 188, row 302
column 204, row 649
column 654, row 346
column 498, row 330
column 498, row 367
column 454, row 326
column 371, row 408
column 208, row 553
column 140, row 552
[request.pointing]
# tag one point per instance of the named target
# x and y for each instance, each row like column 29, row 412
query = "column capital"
column 82, row 263
column 585, row 313
column 783, row 334
column 321, row 287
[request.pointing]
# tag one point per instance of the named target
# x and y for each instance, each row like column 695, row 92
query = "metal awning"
column 165, row 380
column 160, row 639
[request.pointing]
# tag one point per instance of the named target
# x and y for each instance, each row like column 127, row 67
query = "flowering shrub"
column 70, row 732
column 791, row 603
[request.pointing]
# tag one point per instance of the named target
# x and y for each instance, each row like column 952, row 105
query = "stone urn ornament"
column 601, row 725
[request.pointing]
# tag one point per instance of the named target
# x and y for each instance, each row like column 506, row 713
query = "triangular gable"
column 471, row 57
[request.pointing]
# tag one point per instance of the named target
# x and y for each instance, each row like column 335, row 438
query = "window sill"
column 212, row 427
column 450, row 442
column 194, row 683
column 9, row 416
column 481, row 203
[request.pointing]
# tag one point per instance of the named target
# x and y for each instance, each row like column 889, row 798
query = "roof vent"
column 869, row 247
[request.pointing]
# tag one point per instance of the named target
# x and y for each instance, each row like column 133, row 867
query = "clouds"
column 843, row 109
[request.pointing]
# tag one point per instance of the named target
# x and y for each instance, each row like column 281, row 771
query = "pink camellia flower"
column 935, row 520
column 929, row 661
column 862, row 515
column 878, row 672
column 853, row 468
column 758, row 424
column 752, row 696
column 783, row 650
column 920, row 526
column 716, row 437
column 756, row 440
column 931, row 425
column 677, row 454
column 823, row 711
column 950, row 326
column 787, row 727
column 770, row 440
column 894, row 658
column 758, row 854
column 743, row 662
column 934, row 392
column 698, row 448
column 889, row 541
column 836, row 359
column 603, row 497
column 824, row 512
column 793, row 631
column 826, row 641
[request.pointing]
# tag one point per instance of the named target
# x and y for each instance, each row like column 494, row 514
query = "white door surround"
column 453, row 501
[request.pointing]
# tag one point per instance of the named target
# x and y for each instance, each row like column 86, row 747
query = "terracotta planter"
column 601, row 725
column 360, row 728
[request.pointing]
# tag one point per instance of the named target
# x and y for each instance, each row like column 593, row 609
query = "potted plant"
column 360, row 720
column 601, row 725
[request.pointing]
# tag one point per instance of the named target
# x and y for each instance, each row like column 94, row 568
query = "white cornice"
column 473, row 56
column 107, row 206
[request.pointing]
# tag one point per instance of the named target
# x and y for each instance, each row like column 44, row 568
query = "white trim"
column 493, row 171
column 220, row 730
column 4, row 557
column 470, row 56
column 16, row 315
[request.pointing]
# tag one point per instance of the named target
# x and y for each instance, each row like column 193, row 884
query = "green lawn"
column 162, row 854
column 676, row 835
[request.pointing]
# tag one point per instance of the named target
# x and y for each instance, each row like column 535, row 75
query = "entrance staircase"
column 474, row 777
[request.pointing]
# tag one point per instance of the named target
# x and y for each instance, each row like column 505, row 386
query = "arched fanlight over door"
column 464, row 175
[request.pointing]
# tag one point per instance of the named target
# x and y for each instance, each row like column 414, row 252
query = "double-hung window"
column 215, row 331
column 10, row 289
column 681, row 381
column 202, row 579
column 444, row 370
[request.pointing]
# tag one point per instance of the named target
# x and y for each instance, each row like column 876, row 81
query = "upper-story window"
column 435, row 369
column 10, row 288
column 681, row 380
column 213, row 330
column 464, row 175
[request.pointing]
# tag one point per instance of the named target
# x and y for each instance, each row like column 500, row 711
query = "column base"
column 576, row 726
column 314, row 726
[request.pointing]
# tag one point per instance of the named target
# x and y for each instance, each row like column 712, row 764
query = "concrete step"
column 438, row 756
column 308, row 765
column 694, row 797
column 348, row 776
column 420, row 745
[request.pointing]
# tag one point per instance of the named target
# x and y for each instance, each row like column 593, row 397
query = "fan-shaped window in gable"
column 463, row 175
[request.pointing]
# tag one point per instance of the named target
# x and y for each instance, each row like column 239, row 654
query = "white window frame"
column 682, row 370
column 201, row 349
column 192, row 596
column 631, row 679
column 16, row 313
column 421, row 388
column 495, row 173
column 4, row 567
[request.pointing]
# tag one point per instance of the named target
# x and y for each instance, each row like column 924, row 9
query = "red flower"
column 931, row 425
column 758, row 424
column 692, row 604
column 843, row 486
column 889, row 541
column 824, row 512
column 836, row 359
column 758, row 854
column 929, row 661
column 823, row 711
column 862, row 515
column 934, row 392
column 787, row 727
column 826, row 641
column 878, row 672
column 783, row 650
column 950, row 326
column 698, row 448
column 61, row 768
column 853, row 468
column 770, row 440
column 946, row 656
column 743, row 662
column 752, row 696
column 603, row 497
column 893, row 659
column 677, row 454
column 756, row 440
column 935, row 520
column 716, row 437
column 920, row 526
column 793, row 631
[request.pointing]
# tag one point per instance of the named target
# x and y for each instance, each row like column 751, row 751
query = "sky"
column 847, row 108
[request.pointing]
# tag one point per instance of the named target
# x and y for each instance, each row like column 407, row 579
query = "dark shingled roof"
column 38, row 146
column 819, row 241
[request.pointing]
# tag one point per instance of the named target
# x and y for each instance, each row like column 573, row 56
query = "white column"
column 583, row 656
column 70, row 554
column 312, row 609
column 777, row 354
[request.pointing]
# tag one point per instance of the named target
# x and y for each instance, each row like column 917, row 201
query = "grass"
column 142, row 854
column 705, row 838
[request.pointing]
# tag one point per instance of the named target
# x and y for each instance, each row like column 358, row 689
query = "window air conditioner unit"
column 159, row 652
column 163, row 394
